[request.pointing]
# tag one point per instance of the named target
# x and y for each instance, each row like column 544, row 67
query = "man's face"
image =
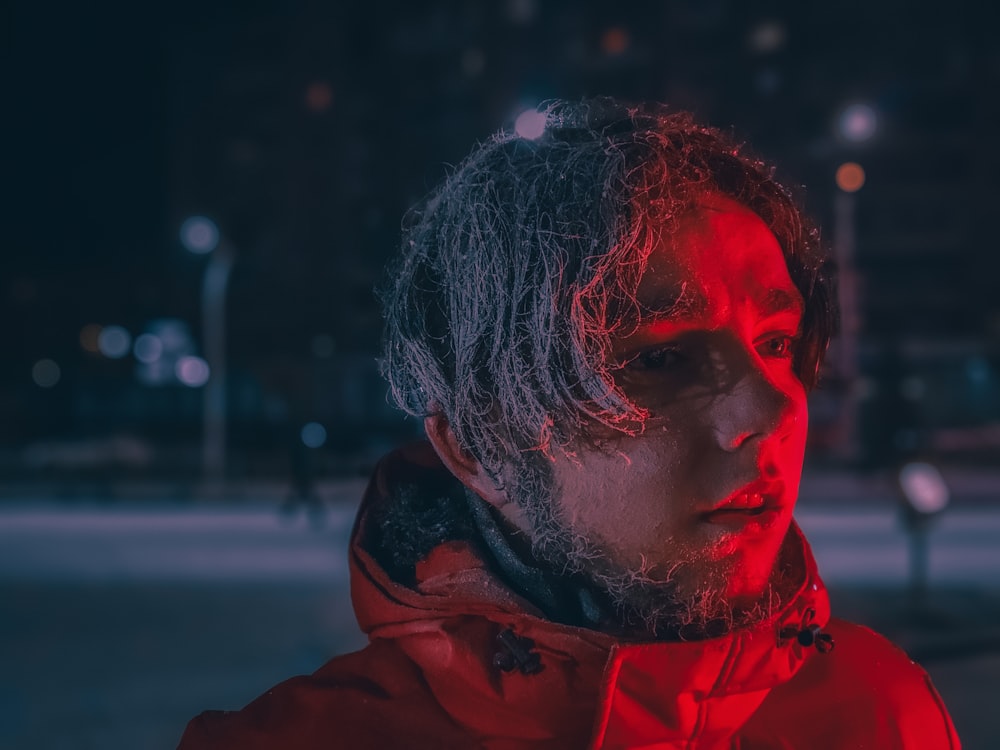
column 691, row 514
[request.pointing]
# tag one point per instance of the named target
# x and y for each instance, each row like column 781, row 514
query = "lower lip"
column 757, row 519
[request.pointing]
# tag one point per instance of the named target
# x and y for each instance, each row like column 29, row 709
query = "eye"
column 656, row 359
column 781, row 346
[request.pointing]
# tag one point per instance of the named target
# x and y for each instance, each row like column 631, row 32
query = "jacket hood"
column 453, row 609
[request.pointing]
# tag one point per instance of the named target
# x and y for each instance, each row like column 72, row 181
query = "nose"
column 751, row 406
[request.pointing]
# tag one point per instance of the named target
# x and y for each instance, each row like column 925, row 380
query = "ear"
column 460, row 462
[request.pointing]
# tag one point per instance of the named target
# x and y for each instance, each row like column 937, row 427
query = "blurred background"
column 201, row 198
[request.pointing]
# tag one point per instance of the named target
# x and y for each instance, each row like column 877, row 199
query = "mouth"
column 754, row 502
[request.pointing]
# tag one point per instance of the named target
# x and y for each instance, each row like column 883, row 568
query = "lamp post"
column 856, row 124
column 925, row 496
column 848, row 370
column 201, row 236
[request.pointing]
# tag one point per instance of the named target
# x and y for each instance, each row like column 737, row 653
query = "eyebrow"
column 674, row 305
column 683, row 303
column 779, row 300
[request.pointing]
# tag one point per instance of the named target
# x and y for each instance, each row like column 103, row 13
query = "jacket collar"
column 641, row 693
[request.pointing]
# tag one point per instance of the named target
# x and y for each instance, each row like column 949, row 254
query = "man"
column 609, row 332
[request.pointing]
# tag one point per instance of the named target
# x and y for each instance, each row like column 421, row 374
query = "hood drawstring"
column 517, row 653
column 805, row 635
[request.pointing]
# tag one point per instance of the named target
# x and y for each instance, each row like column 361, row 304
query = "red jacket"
column 433, row 675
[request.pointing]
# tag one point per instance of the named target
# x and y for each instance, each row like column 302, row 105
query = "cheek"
column 624, row 496
column 800, row 424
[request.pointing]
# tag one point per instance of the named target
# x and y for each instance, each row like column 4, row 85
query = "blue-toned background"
column 201, row 197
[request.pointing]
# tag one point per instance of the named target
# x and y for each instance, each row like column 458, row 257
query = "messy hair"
column 515, row 272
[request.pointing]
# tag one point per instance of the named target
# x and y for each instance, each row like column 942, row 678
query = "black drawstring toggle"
column 516, row 653
column 807, row 634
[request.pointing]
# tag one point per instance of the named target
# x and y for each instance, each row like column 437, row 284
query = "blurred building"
column 306, row 131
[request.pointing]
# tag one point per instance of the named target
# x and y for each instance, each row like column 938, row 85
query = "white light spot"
column 173, row 334
column 114, row 342
column 857, row 123
column 148, row 348
column 45, row 373
column 767, row 37
column 192, row 371
column 924, row 487
column 313, row 435
column 530, row 124
column 199, row 234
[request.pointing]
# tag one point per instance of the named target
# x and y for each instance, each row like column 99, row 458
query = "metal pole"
column 918, row 566
column 213, row 306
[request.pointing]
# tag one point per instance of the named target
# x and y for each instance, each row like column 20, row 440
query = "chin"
column 744, row 586
column 748, row 572
column 701, row 600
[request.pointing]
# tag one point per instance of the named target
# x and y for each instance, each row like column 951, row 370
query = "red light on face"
column 850, row 177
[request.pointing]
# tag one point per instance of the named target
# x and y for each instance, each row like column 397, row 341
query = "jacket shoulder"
column 373, row 698
column 877, row 663
column 865, row 693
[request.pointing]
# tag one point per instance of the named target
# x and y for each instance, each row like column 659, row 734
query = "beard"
column 687, row 602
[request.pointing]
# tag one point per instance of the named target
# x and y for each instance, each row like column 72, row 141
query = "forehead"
column 723, row 254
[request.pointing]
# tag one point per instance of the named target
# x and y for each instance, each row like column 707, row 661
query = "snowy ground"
column 117, row 624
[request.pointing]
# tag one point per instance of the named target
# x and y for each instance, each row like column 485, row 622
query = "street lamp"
column 201, row 236
column 855, row 125
column 925, row 496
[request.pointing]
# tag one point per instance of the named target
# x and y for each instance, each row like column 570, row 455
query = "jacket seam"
column 724, row 674
column 948, row 726
column 604, row 714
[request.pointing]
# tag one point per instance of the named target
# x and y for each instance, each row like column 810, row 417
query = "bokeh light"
column 192, row 371
column 147, row 348
column 857, row 123
column 45, row 373
column 850, row 177
column 530, row 124
column 924, row 487
column 89, row 336
column 615, row 41
column 767, row 37
column 114, row 342
column 199, row 234
column 319, row 96
column 313, row 435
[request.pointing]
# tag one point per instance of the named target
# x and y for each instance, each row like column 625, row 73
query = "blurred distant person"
column 609, row 324
column 302, row 494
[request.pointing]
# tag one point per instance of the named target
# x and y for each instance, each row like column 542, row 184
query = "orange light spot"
column 89, row 335
column 319, row 96
column 615, row 41
column 850, row 177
